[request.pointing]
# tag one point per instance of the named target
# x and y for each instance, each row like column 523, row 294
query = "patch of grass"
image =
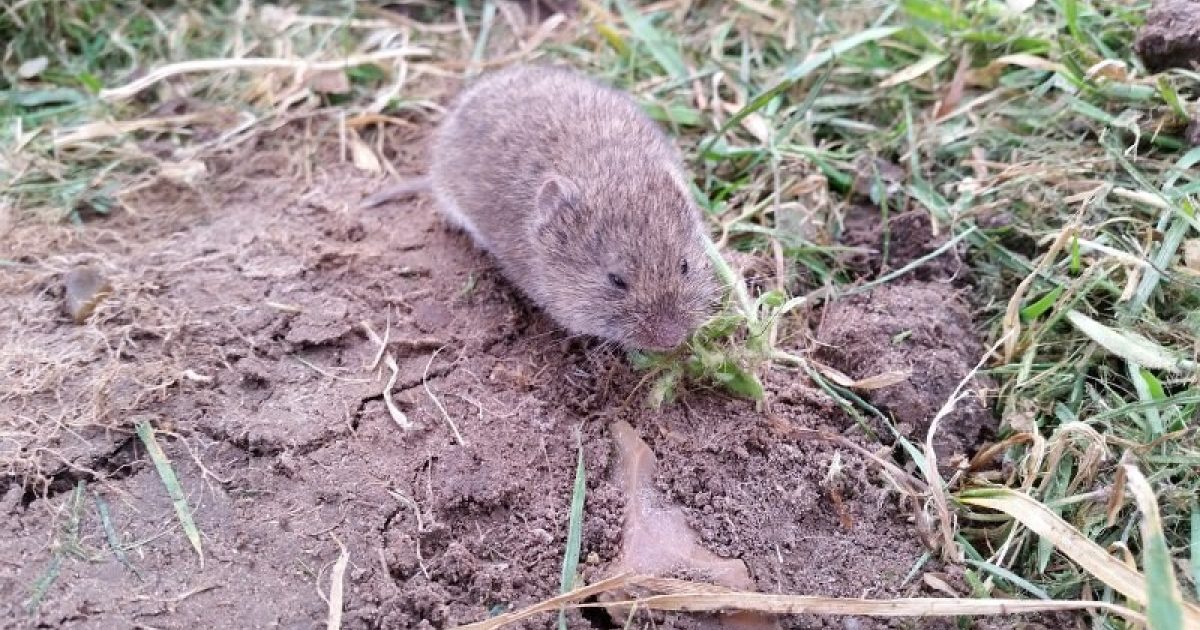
column 1015, row 130
column 64, row 155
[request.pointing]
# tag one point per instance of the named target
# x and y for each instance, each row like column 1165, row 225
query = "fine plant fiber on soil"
column 1028, row 131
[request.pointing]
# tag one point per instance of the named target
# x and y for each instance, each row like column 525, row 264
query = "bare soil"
column 234, row 327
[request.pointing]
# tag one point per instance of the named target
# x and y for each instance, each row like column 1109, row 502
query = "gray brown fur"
column 574, row 190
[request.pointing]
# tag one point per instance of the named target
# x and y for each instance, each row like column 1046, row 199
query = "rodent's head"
column 623, row 260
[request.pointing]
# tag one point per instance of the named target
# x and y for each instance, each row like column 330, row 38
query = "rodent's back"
column 625, row 229
column 507, row 131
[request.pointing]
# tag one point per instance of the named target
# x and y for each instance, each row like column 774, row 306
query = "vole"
column 582, row 200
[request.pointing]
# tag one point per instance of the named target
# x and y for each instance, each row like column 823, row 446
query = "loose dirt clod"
column 1171, row 36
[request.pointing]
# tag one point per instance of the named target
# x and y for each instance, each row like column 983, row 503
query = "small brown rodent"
column 580, row 197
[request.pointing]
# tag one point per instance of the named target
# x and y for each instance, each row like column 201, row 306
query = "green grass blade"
column 1164, row 608
column 67, row 542
column 803, row 70
column 1130, row 345
column 110, row 534
column 1010, row 577
column 1184, row 165
column 664, row 51
column 71, row 540
column 574, row 532
column 174, row 490
column 738, row 380
column 1035, row 310
column 44, row 583
column 485, row 29
column 1196, row 548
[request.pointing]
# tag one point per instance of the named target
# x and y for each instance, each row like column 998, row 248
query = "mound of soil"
column 1171, row 36
column 233, row 325
column 923, row 328
column 919, row 324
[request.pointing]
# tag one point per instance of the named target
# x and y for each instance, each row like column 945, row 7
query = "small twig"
column 326, row 373
column 387, row 334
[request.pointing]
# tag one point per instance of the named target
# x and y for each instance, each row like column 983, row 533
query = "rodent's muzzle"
column 664, row 333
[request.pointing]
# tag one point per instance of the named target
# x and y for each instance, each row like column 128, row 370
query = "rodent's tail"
column 391, row 193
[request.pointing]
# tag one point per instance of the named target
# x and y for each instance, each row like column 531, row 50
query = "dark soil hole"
column 116, row 465
column 596, row 616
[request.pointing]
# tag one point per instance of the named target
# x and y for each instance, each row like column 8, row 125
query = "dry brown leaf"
column 363, row 120
column 108, row 129
column 1012, row 314
column 754, row 123
column 256, row 63
column 936, row 583
column 656, row 537
column 1032, row 62
column 913, row 71
column 954, row 93
column 337, row 587
column 1112, row 69
column 279, row 18
column 878, row 381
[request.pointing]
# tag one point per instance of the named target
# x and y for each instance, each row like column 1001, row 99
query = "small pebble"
column 86, row 288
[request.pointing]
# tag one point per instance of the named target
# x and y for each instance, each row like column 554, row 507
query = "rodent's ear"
column 555, row 197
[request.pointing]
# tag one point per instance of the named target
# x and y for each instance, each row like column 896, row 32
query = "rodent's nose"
column 666, row 334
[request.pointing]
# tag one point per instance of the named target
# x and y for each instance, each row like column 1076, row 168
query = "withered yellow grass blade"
column 697, row 597
column 1087, row 554
column 550, row 605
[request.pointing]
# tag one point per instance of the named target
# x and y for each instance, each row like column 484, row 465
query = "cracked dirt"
column 234, row 327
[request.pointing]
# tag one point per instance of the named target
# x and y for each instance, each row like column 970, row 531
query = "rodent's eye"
column 617, row 281
column 683, row 266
